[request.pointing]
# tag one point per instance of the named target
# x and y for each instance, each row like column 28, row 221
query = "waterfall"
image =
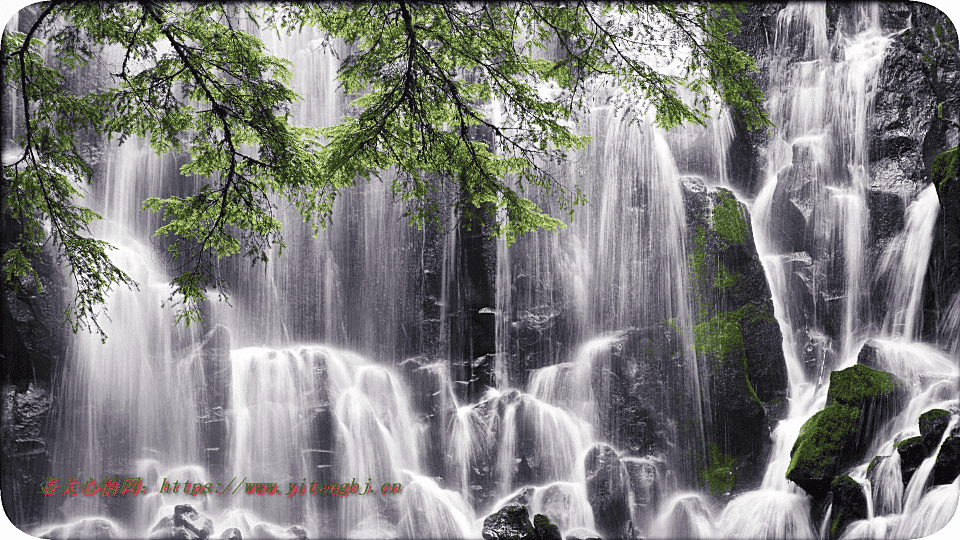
column 452, row 374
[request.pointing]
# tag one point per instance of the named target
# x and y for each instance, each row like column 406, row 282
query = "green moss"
column 909, row 442
column 724, row 279
column 945, row 167
column 719, row 477
column 857, row 383
column 728, row 220
column 753, row 393
column 873, row 464
column 721, row 336
column 821, row 438
column 698, row 273
column 934, row 414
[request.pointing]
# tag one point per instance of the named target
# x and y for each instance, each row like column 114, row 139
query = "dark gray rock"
column 849, row 504
column 25, row 423
column 544, row 529
column 933, row 424
column 912, row 453
column 737, row 338
column 509, row 523
column 607, row 484
column 232, row 533
column 947, row 467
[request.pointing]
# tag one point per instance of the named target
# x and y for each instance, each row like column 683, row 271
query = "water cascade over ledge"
column 644, row 373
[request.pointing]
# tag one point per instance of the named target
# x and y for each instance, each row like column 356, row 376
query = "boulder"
column 849, row 504
column 544, row 529
column 607, row 484
column 859, row 401
column 736, row 336
column 947, row 466
column 822, row 448
column 232, row 533
column 933, row 424
column 509, row 523
column 912, row 453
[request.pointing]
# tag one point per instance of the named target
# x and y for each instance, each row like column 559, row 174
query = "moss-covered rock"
column 942, row 281
column 933, row 424
column 822, row 447
column 912, row 452
column 737, row 339
column 858, row 383
column 859, row 401
column 849, row 504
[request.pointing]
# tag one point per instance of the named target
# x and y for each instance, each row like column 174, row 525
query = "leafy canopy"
column 480, row 96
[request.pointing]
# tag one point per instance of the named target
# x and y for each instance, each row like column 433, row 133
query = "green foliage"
column 424, row 76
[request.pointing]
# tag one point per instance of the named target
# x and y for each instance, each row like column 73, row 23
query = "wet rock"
column 298, row 533
column 631, row 383
column 849, row 504
column 232, row 533
column 215, row 357
column 912, row 453
column 933, row 424
column 947, row 466
column 689, row 517
column 435, row 404
column 646, row 482
column 859, row 401
column 869, row 355
column 608, row 487
column 736, row 336
column 509, row 523
column 544, row 529
column 26, row 456
column 185, row 523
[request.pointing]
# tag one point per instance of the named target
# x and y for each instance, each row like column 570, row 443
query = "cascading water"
column 467, row 375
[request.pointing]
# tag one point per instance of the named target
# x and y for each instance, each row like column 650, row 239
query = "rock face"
column 32, row 347
column 859, row 401
column 942, row 283
column 736, row 336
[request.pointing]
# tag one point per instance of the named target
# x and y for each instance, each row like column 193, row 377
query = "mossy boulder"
column 858, row 383
column 933, row 424
column 859, row 401
column 849, row 504
column 912, row 452
column 822, row 447
column 544, row 529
